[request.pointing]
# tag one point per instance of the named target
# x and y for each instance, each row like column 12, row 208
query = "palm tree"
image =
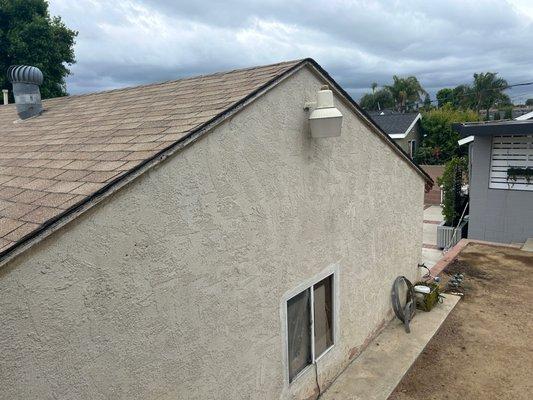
column 405, row 90
column 487, row 91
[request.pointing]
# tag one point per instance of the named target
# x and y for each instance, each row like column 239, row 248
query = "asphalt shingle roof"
column 81, row 148
column 80, row 143
column 394, row 123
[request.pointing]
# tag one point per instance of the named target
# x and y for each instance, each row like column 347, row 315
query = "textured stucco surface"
column 496, row 215
column 172, row 287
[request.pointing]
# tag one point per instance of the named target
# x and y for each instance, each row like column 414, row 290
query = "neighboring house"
column 433, row 196
column 501, row 192
column 516, row 113
column 172, row 240
column 525, row 117
column 404, row 128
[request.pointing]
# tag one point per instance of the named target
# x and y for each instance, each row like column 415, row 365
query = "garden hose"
column 406, row 313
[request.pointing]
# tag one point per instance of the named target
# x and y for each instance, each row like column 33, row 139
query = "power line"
column 465, row 94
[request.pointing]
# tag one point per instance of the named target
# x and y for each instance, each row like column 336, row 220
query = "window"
column 309, row 325
column 412, row 148
column 511, row 151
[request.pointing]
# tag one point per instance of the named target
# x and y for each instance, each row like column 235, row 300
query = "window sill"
column 324, row 353
column 309, row 366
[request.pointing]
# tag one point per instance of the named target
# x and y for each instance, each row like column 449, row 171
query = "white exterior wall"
column 173, row 287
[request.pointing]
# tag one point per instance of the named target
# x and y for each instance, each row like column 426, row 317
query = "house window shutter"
column 510, row 151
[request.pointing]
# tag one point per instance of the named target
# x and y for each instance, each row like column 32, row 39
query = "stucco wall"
column 173, row 287
column 496, row 215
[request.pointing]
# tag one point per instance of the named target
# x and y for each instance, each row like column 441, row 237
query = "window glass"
column 323, row 318
column 299, row 328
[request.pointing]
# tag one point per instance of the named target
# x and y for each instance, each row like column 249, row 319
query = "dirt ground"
column 484, row 349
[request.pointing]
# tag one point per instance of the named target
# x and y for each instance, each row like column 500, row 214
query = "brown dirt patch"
column 484, row 349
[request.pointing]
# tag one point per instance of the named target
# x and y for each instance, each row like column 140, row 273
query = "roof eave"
column 74, row 211
column 370, row 122
column 491, row 129
column 71, row 213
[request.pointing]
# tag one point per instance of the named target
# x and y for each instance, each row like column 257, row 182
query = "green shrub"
column 455, row 175
column 439, row 142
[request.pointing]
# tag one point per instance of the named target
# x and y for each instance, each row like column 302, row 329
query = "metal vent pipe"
column 26, row 81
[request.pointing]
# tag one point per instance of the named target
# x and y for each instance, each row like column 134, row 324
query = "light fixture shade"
column 326, row 119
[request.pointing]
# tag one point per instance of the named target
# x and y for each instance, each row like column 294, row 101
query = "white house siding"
column 172, row 288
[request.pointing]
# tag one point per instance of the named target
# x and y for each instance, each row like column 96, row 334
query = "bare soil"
column 484, row 349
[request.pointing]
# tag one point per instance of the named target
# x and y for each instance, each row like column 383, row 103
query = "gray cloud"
column 128, row 42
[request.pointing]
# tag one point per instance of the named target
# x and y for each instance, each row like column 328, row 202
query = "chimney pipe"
column 26, row 81
column 6, row 97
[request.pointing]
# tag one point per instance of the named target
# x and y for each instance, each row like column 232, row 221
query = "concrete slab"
column 379, row 369
column 429, row 234
column 430, row 257
column 528, row 245
column 433, row 213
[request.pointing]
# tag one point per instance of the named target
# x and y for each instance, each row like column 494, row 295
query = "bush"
column 454, row 176
column 439, row 140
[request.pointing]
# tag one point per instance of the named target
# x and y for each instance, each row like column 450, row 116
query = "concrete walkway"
column 528, row 245
column 379, row 369
column 430, row 253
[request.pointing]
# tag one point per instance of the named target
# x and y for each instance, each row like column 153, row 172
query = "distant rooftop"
column 396, row 125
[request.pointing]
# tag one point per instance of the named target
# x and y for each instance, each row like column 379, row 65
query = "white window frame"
column 332, row 271
column 497, row 157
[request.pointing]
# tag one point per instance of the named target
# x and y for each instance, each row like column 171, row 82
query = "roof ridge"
column 154, row 84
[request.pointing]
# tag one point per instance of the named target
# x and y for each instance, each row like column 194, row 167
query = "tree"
column 427, row 102
column 377, row 101
column 405, row 92
column 445, row 96
column 529, row 102
column 462, row 97
column 454, row 176
column 458, row 97
column 507, row 112
column 29, row 35
column 439, row 140
column 487, row 91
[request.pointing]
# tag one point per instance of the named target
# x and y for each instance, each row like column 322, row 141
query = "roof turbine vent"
column 26, row 81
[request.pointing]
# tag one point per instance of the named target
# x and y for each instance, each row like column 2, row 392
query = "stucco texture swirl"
column 172, row 287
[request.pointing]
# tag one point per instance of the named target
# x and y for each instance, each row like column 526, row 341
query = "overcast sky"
column 129, row 42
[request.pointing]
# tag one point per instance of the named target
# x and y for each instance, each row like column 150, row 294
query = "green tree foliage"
column 29, row 35
column 529, row 102
column 406, row 92
column 439, row 140
column 445, row 96
column 378, row 100
column 487, row 91
column 458, row 97
column 454, row 176
column 507, row 112
column 427, row 103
